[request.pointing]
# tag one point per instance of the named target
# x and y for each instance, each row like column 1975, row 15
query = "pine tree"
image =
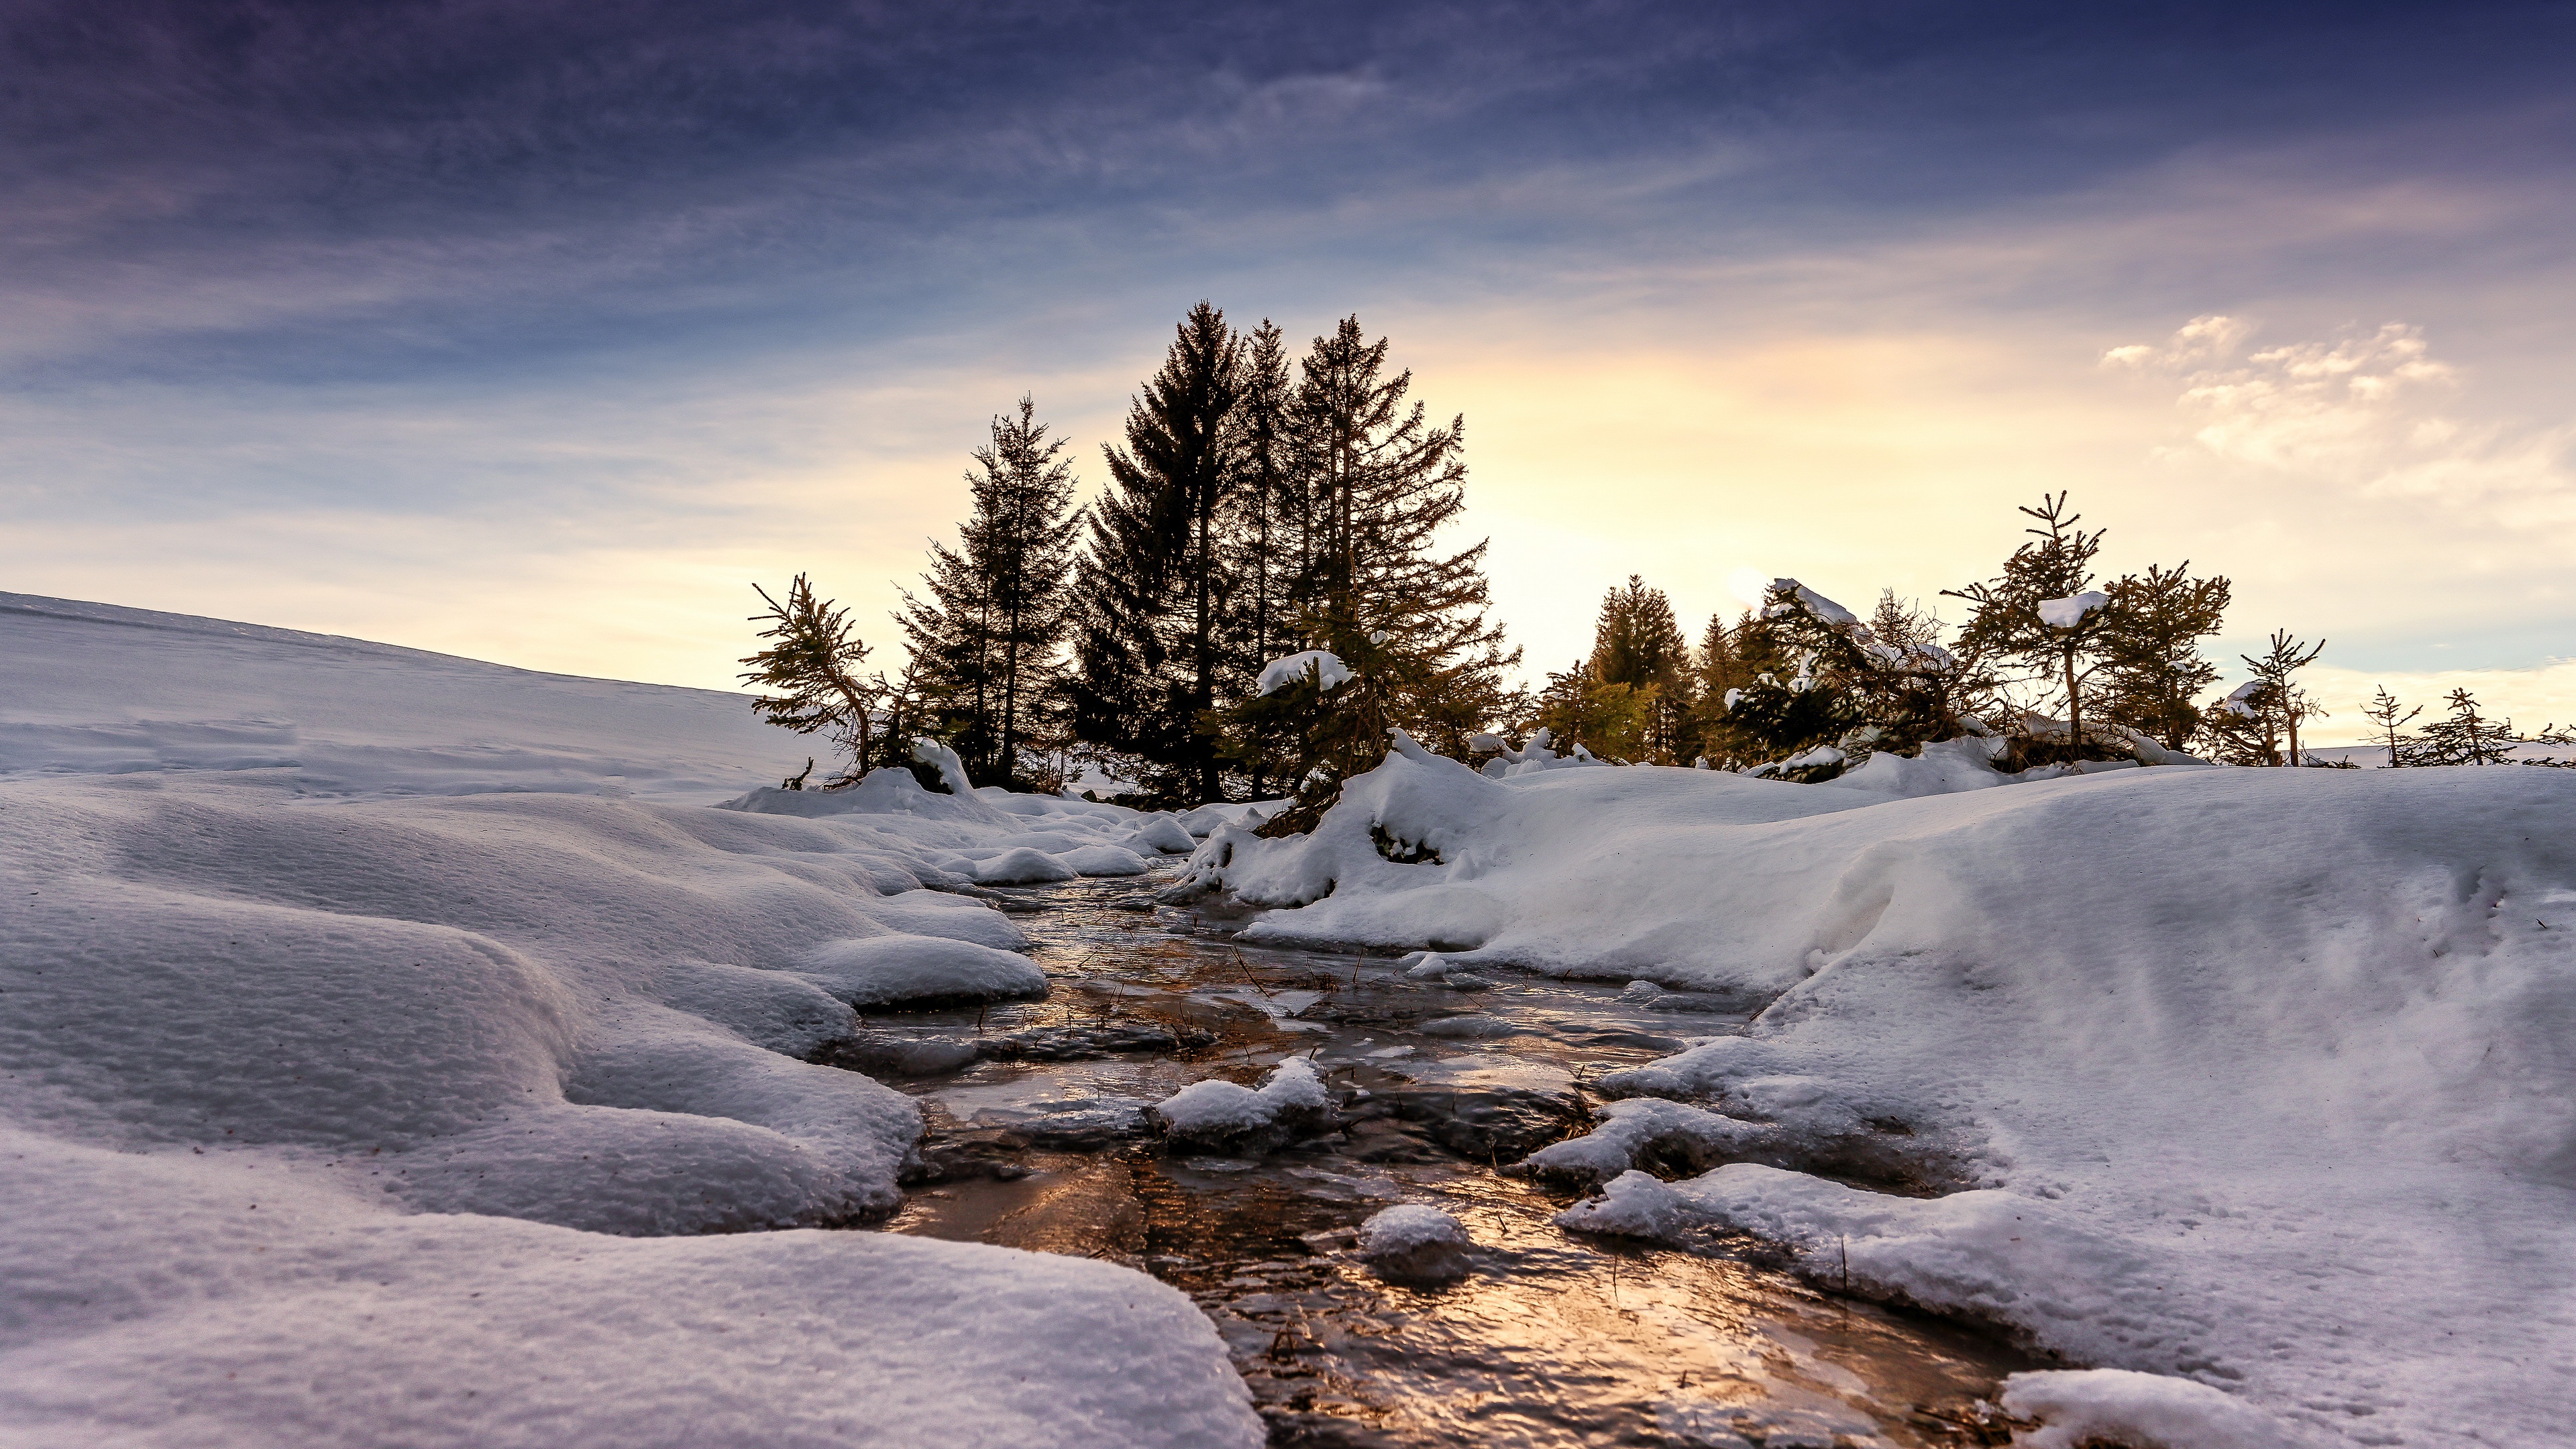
column 2043, row 612
column 1381, row 483
column 2383, row 712
column 2464, row 737
column 1718, row 670
column 1638, row 648
column 2156, row 669
column 812, row 665
column 1150, row 647
column 2275, row 669
column 1267, row 535
column 987, row 637
column 1370, row 484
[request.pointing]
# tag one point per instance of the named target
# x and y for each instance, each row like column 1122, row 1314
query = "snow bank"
column 2117, row 1406
column 380, row 1084
column 249, row 1298
column 2253, row 1078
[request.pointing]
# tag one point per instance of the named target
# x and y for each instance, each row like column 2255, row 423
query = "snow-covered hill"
column 2261, row 1079
column 371, row 1022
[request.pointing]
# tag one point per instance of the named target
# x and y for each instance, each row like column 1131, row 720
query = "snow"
column 1321, row 665
column 1413, row 1243
column 2253, row 1080
column 399, row 1051
column 2067, row 613
column 1817, row 604
column 2118, row 1406
column 1407, row 1226
column 1214, row 1110
column 1024, row 865
column 891, row 970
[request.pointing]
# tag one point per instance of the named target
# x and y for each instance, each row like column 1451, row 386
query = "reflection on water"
column 1554, row 1340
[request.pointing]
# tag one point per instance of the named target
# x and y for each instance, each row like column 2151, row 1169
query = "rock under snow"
column 899, row 970
column 1217, row 1112
column 1411, row 1243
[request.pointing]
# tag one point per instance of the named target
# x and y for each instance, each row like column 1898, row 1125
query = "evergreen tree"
column 1268, row 537
column 1638, row 647
column 2464, row 737
column 1370, row 485
column 2043, row 613
column 1718, row 670
column 2156, row 669
column 2245, row 727
column 1381, row 482
column 2275, row 669
column 810, row 669
column 986, row 638
column 2383, row 712
column 1150, row 647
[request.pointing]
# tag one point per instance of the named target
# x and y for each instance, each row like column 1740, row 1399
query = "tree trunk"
column 2074, row 708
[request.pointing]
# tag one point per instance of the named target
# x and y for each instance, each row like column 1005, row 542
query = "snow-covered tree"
column 2043, row 613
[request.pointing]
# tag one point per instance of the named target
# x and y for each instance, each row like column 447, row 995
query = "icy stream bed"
column 1042, row 1142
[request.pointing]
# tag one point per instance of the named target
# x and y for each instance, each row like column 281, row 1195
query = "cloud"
column 2370, row 411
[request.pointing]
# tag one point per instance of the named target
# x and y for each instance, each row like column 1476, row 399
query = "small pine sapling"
column 2275, row 670
column 2043, row 612
column 809, row 672
column 2390, row 718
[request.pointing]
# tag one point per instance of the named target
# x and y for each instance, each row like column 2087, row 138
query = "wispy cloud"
column 2373, row 411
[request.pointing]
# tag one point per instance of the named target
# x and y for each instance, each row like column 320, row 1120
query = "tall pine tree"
column 1150, row 647
column 1382, row 482
column 985, row 640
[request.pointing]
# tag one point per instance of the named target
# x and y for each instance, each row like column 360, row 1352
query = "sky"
column 538, row 332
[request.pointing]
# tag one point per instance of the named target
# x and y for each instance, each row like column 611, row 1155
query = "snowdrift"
column 371, row 1022
column 2254, row 1078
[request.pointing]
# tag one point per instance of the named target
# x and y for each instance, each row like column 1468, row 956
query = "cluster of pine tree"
column 1261, row 595
column 1803, row 688
column 1259, row 505
column 2462, row 737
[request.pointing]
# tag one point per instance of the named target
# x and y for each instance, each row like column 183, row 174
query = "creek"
column 1037, row 1138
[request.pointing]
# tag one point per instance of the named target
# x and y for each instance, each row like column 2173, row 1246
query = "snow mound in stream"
column 2255, row 1078
column 893, row 970
column 1216, row 1111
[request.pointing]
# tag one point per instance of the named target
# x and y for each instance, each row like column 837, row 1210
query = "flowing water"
column 1555, row 1339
